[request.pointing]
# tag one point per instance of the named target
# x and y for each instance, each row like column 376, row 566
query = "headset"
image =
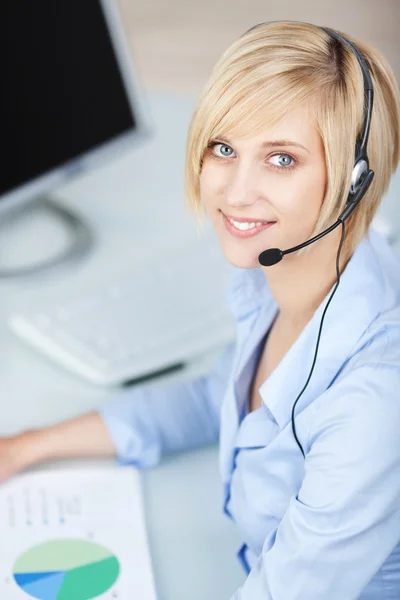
column 361, row 179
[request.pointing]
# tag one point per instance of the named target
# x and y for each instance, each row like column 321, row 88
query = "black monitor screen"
column 61, row 89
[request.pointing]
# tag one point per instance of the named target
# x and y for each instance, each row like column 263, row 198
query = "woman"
column 270, row 155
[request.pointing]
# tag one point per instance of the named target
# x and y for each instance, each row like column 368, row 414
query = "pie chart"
column 65, row 569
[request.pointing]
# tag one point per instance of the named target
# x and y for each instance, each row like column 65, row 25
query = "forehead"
column 297, row 126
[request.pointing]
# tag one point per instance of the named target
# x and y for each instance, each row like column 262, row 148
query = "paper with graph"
column 74, row 534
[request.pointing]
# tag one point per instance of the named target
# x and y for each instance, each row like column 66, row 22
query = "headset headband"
column 368, row 92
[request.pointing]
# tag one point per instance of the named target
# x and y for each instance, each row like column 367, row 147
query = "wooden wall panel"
column 176, row 42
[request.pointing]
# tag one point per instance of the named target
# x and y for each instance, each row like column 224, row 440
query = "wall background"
column 175, row 43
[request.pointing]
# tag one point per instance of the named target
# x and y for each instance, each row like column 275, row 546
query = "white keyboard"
column 150, row 321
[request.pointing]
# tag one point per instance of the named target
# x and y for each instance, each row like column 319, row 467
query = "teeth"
column 244, row 226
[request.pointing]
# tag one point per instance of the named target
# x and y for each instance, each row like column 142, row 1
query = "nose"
column 241, row 189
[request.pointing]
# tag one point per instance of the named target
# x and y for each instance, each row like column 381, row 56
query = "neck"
column 300, row 283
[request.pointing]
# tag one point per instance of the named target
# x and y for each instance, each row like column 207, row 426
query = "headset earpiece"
column 358, row 175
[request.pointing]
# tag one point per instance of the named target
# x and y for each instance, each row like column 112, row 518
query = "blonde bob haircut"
column 265, row 74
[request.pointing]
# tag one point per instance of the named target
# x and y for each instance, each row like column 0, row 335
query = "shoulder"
column 360, row 410
column 376, row 288
column 361, row 406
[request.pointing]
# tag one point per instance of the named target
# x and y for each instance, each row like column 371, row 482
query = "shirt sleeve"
column 147, row 422
column 345, row 520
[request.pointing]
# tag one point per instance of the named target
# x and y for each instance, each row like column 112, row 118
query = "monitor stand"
column 79, row 237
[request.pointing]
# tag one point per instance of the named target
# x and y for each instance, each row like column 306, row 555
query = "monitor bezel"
column 44, row 184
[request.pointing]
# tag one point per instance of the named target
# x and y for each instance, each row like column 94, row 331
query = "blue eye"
column 225, row 149
column 287, row 157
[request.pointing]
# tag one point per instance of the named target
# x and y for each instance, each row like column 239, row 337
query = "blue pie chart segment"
column 45, row 588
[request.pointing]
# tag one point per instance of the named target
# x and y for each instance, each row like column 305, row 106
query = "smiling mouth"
column 245, row 227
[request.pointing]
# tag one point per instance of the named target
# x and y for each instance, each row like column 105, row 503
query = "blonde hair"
column 272, row 68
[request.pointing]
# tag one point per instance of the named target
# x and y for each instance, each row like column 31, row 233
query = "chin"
column 243, row 259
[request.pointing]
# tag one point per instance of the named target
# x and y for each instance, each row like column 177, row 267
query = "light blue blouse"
column 327, row 526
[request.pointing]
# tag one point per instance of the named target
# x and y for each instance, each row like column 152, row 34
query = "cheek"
column 210, row 186
column 302, row 196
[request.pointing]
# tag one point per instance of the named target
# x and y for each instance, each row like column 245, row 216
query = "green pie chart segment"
column 65, row 569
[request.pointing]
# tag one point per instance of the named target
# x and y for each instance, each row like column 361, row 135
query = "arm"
column 82, row 436
column 345, row 520
column 138, row 425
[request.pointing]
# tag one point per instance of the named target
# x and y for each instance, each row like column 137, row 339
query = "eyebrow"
column 275, row 143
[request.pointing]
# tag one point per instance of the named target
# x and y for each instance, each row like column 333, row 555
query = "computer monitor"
column 70, row 99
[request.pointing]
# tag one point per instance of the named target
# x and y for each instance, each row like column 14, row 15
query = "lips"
column 245, row 233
